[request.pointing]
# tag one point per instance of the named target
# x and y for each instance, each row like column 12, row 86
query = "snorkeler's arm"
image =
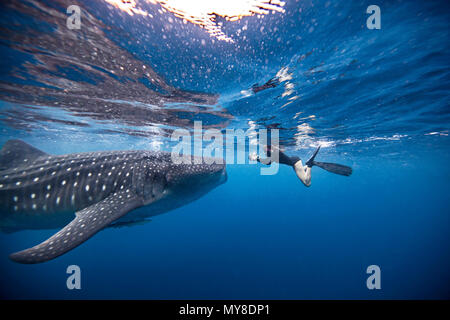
column 255, row 157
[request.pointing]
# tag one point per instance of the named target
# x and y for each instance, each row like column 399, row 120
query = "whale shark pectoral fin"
column 86, row 223
column 14, row 152
column 129, row 223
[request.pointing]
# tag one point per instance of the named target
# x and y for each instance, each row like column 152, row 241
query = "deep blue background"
column 268, row 237
column 380, row 101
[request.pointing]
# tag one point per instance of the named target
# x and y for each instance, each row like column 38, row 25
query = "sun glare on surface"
column 204, row 12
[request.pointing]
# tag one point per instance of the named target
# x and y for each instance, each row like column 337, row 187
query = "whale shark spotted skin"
column 43, row 191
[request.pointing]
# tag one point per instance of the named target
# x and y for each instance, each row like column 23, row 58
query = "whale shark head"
column 196, row 176
column 183, row 181
column 196, row 179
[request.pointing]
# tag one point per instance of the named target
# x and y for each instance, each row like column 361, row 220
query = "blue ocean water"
column 376, row 100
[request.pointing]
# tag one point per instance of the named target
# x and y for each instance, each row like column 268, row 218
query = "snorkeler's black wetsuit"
column 272, row 83
column 282, row 157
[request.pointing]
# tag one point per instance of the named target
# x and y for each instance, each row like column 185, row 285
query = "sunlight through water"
column 204, row 12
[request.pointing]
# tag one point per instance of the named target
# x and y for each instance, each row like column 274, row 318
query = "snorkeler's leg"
column 303, row 172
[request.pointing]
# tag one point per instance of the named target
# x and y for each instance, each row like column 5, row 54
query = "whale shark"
column 83, row 193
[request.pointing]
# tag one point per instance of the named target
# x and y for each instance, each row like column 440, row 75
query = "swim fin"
column 331, row 167
column 334, row 168
column 310, row 162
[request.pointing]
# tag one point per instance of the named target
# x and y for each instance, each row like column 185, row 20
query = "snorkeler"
column 272, row 83
column 302, row 171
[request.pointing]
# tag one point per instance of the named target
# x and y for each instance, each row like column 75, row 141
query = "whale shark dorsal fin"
column 86, row 223
column 15, row 153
